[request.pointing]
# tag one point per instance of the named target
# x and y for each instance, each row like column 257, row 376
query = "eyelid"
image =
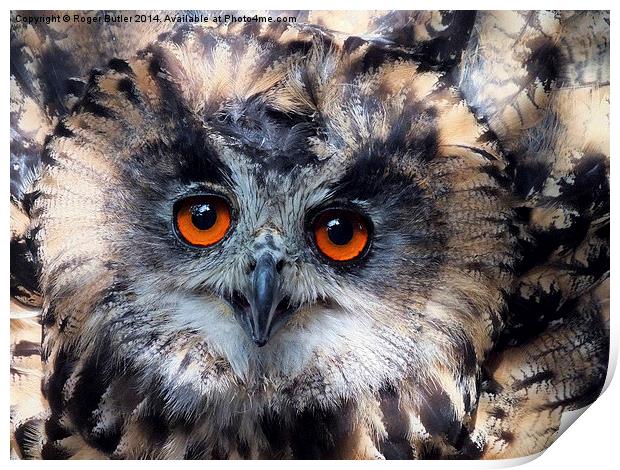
column 203, row 189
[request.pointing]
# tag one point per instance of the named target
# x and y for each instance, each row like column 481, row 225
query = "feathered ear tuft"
column 434, row 38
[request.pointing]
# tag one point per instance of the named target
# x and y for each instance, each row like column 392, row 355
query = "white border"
column 591, row 443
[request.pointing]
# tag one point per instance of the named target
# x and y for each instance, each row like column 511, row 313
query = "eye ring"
column 341, row 235
column 202, row 220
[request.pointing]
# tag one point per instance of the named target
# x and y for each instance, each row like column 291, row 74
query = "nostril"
column 280, row 265
column 250, row 267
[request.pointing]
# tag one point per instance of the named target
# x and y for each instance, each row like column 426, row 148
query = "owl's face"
column 281, row 212
column 260, row 249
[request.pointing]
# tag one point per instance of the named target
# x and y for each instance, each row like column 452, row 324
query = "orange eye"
column 203, row 220
column 341, row 235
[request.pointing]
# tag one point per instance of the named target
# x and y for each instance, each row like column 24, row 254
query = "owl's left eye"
column 341, row 235
column 202, row 220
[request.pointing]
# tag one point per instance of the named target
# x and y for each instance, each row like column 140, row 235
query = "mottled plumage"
column 476, row 144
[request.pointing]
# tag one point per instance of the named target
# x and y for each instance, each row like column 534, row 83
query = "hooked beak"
column 263, row 310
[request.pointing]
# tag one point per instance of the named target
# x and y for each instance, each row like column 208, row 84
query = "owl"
column 352, row 235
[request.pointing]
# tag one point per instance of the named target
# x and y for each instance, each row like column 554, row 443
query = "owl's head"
column 276, row 206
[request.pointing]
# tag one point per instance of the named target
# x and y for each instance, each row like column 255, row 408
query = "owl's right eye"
column 202, row 220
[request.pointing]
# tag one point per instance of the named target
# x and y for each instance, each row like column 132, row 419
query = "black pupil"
column 340, row 230
column 203, row 216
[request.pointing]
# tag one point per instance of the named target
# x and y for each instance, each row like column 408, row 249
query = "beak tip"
column 260, row 342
